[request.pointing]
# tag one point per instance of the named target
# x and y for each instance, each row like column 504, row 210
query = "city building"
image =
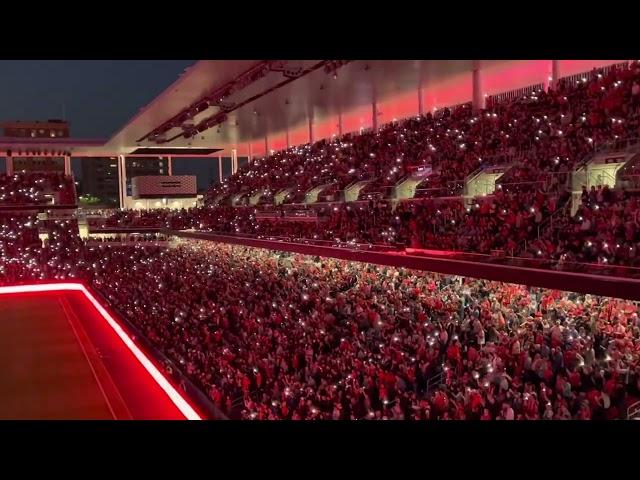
column 100, row 175
column 100, row 180
column 36, row 129
column 37, row 158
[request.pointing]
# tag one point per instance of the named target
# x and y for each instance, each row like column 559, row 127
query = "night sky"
column 99, row 96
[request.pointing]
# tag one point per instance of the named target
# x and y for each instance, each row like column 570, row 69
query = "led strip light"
column 178, row 400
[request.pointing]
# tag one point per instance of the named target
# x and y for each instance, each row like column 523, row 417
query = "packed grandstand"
column 268, row 335
column 539, row 138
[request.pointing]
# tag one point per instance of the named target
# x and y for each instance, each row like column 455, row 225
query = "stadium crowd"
column 604, row 230
column 277, row 336
column 24, row 188
column 548, row 131
column 500, row 221
column 540, row 137
column 273, row 336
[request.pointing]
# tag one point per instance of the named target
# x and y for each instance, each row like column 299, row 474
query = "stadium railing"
column 305, row 241
column 608, row 280
column 633, row 412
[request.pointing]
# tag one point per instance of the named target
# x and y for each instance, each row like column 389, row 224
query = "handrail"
column 501, row 185
column 306, row 241
column 473, row 175
column 73, row 186
column 433, row 189
column 354, row 182
column 567, row 266
column 126, row 229
column 504, row 158
column 576, row 78
column 608, row 280
column 549, row 220
column 240, row 399
column 290, row 215
column 510, row 96
column 282, row 190
column 618, row 144
column 606, row 147
column 402, row 179
column 418, row 200
column 607, row 175
column 434, row 381
column 633, row 412
column 321, row 183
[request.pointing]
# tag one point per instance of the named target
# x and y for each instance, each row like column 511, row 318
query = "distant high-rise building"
column 100, row 178
column 100, row 175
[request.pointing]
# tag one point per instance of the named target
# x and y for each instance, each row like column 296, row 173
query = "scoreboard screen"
column 154, row 186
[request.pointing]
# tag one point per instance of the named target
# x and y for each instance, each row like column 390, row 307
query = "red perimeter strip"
column 145, row 399
column 121, row 368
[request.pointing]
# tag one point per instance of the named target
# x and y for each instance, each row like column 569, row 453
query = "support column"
column 374, row 109
column 220, row 167
column 374, row 116
column 250, row 152
column 234, row 161
column 170, row 165
column 555, row 73
column 119, row 181
column 67, row 165
column 478, row 97
column 266, row 146
column 312, row 137
column 122, row 178
column 9, row 164
column 421, row 81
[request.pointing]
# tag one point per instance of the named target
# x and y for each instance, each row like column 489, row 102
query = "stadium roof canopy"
column 254, row 106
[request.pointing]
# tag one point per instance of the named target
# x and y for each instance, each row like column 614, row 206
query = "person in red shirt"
column 472, row 354
column 454, row 353
column 440, row 402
